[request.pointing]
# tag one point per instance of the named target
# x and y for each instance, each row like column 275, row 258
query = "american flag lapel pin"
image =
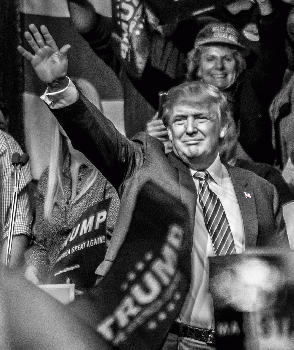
column 247, row 195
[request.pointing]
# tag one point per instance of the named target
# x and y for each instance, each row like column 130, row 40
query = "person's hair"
column 194, row 59
column 197, row 93
column 3, row 108
column 58, row 153
column 54, row 184
column 60, row 150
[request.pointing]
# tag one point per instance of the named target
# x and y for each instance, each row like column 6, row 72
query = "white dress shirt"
column 198, row 308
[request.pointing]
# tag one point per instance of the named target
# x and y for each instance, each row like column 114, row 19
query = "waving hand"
column 47, row 60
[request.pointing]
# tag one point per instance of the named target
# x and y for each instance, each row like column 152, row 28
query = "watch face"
column 250, row 32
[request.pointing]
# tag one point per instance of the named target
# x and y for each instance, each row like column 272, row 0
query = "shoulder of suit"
column 148, row 141
column 248, row 175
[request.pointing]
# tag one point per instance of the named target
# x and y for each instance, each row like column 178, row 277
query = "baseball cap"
column 219, row 33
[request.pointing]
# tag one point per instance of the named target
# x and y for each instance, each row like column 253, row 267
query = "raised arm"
column 49, row 63
column 89, row 131
column 271, row 62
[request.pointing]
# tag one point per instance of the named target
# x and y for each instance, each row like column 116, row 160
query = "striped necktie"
column 215, row 218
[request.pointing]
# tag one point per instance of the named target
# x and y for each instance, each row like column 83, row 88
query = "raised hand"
column 49, row 63
column 156, row 129
column 265, row 7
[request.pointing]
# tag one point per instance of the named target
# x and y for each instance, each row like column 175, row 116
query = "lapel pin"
column 247, row 195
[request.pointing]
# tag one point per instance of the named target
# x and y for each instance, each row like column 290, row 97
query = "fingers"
column 31, row 41
column 158, row 131
column 51, row 42
column 39, row 39
column 26, row 54
column 64, row 49
column 48, row 38
column 162, row 133
column 37, row 35
column 155, row 123
column 156, row 128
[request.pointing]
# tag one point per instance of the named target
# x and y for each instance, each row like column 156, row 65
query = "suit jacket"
column 128, row 164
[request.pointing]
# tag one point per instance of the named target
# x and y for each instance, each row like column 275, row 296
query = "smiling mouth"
column 192, row 142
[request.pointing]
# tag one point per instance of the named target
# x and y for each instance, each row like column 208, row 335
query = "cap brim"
column 222, row 41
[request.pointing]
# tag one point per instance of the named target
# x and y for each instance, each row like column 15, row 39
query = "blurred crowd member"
column 157, row 48
column 166, row 64
column 97, row 30
column 230, row 154
column 244, row 15
column 23, row 213
column 196, row 116
column 3, row 117
column 281, row 108
column 288, row 171
column 68, row 188
column 218, row 58
column 289, row 46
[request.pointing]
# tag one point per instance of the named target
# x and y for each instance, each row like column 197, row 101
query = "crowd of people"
column 220, row 144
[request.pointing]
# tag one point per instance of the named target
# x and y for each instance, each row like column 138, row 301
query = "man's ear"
column 223, row 130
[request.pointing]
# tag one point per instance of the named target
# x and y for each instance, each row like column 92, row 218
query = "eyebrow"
column 181, row 116
column 193, row 114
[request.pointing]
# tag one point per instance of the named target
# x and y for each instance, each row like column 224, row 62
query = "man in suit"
column 246, row 208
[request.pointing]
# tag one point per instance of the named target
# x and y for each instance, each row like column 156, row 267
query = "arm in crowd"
column 274, row 176
column 83, row 15
column 32, row 319
column 287, row 200
column 95, row 28
column 23, row 213
column 268, row 71
column 114, row 155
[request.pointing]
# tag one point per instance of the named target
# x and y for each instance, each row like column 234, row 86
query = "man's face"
column 195, row 133
column 218, row 66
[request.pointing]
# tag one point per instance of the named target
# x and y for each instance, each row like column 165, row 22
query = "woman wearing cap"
column 218, row 57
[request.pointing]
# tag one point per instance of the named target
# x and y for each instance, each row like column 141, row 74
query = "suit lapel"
column 244, row 193
column 187, row 187
column 245, row 196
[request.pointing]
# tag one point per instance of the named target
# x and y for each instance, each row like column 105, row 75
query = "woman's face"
column 218, row 66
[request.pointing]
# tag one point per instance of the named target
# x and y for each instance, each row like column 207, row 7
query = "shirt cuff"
column 62, row 98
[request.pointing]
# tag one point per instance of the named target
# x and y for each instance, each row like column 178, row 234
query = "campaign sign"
column 84, row 249
column 253, row 296
column 139, row 298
